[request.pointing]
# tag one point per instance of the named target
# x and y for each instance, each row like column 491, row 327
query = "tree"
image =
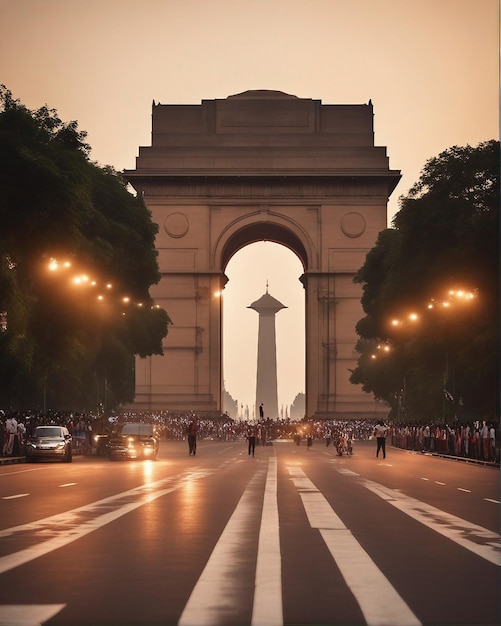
column 445, row 238
column 62, row 343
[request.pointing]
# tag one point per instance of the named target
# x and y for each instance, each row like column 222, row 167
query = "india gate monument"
column 260, row 166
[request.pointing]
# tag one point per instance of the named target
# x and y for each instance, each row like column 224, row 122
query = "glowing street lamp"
column 453, row 298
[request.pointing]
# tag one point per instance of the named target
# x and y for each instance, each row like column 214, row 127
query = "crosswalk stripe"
column 379, row 602
column 268, row 609
column 23, row 614
column 479, row 540
column 216, row 596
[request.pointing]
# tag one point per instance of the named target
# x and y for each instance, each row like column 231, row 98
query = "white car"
column 49, row 442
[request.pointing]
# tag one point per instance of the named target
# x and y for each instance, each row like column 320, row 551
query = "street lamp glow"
column 413, row 317
column 79, row 280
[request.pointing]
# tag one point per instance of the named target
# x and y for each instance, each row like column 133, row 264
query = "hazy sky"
column 429, row 66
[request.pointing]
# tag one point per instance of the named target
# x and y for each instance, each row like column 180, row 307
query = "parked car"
column 49, row 442
column 134, row 441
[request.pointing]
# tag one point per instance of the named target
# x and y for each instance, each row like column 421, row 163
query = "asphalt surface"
column 292, row 536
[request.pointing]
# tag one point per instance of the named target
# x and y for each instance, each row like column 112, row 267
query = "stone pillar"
column 266, row 383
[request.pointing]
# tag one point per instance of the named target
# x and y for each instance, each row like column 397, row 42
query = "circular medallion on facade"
column 353, row 224
column 176, row 225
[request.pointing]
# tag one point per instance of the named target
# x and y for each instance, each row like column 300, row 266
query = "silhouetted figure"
column 251, row 437
column 380, row 432
column 192, row 436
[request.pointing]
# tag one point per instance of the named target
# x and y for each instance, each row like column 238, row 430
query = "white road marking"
column 17, row 495
column 72, row 525
column 438, row 482
column 268, row 608
column 485, row 543
column 491, row 500
column 379, row 602
column 68, row 485
column 218, row 592
column 23, row 471
column 347, row 472
column 28, row 614
column 465, row 490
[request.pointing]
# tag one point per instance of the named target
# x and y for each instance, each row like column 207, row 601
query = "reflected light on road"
column 148, row 470
column 190, row 510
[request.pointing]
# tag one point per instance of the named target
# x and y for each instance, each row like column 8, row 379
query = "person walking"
column 251, row 438
column 380, row 432
column 192, row 436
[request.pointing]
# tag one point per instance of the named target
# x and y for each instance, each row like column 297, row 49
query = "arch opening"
column 264, row 231
column 273, row 266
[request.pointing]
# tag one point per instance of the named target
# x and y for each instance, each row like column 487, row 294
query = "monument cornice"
column 265, row 187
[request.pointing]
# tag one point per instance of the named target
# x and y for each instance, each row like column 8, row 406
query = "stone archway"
column 262, row 165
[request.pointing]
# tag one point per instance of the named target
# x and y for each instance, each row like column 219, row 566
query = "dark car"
column 134, row 441
column 49, row 442
column 100, row 443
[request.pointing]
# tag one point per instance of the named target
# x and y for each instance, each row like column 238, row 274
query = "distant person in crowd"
column 10, row 435
column 328, row 438
column 492, row 443
column 475, row 444
column 380, row 432
column 192, row 436
column 261, row 411
column 251, row 438
column 484, row 437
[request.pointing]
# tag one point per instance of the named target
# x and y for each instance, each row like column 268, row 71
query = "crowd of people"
column 473, row 440
column 476, row 440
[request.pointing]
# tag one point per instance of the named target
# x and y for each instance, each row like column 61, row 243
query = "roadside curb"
column 462, row 459
column 10, row 460
column 449, row 457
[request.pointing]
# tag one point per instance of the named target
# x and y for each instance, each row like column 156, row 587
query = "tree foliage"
column 63, row 347
column 444, row 237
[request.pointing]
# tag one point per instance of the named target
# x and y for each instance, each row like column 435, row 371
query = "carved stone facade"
column 261, row 165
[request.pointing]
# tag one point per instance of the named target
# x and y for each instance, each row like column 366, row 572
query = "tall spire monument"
column 266, row 386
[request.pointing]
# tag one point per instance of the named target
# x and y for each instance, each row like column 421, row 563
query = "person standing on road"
column 192, row 436
column 380, row 432
column 251, row 438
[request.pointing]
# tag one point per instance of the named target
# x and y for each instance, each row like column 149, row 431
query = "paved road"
column 292, row 536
